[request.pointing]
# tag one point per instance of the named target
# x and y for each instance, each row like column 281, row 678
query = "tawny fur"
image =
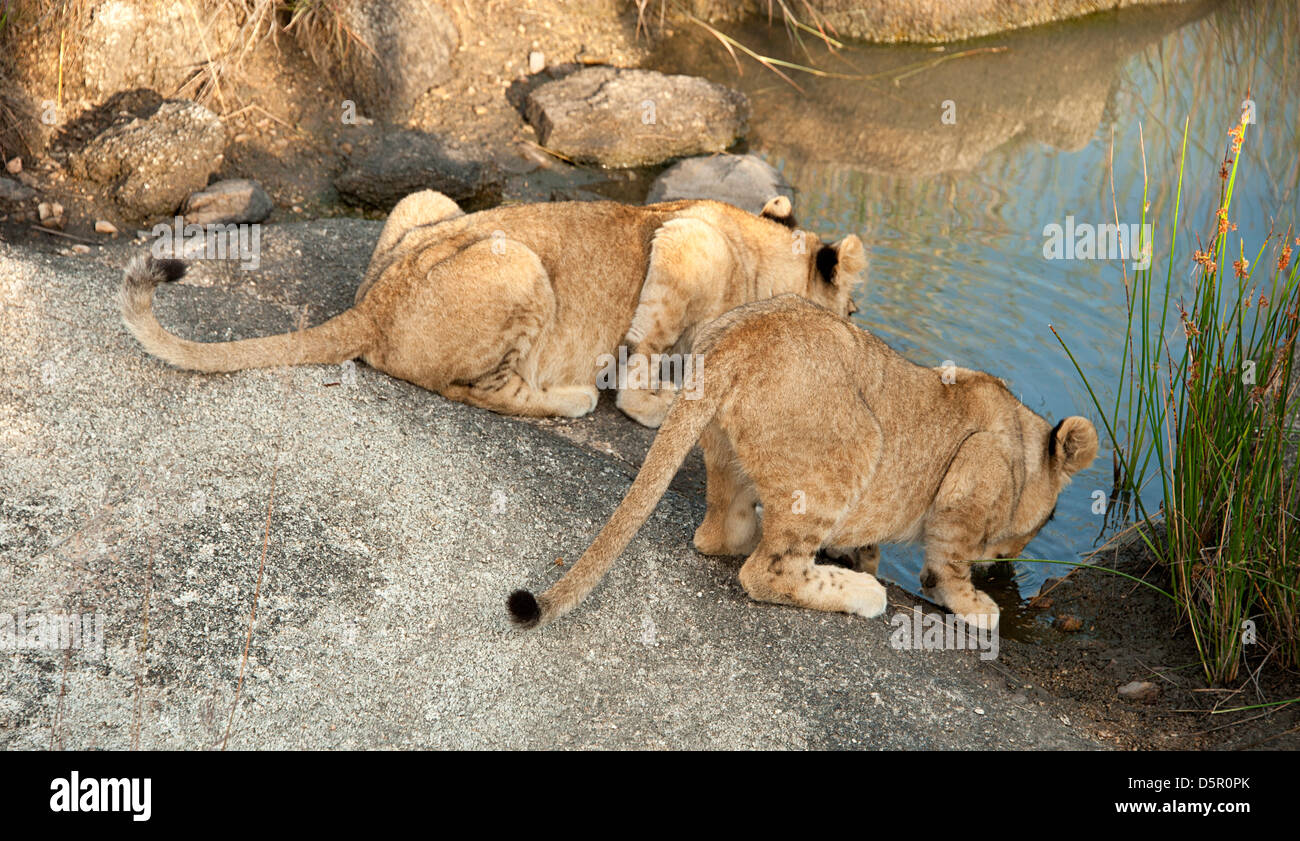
column 511, row 309
column 846, row 445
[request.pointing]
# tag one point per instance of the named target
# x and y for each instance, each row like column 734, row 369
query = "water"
column 954, row 214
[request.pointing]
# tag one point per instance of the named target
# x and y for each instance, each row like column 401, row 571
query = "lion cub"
column 846, row 445
column 513, row 309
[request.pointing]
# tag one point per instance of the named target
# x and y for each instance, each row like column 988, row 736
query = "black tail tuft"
column 167, row 269
column 144, row 273
column 523, row 608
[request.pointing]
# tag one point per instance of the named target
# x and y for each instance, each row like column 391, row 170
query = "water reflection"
column 955, row 214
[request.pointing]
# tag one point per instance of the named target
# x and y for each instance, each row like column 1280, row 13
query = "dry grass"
column 318, row 27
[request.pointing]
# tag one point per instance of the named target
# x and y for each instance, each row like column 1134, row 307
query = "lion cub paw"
column 645, row 406
column 574, row 401
column 866, row 596
column 978, row 612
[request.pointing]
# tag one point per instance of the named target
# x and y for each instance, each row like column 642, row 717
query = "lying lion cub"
column 846, row 445
column 511, row 309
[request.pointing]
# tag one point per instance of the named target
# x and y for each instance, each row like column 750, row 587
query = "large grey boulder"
column 149, row 165
column 394, row 524
column 624, row 118
column 399, row 163
column 406, row 48
column 747, row 181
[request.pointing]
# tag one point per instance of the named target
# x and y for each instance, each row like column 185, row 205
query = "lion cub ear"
column 1074, row 444
column 779, row 209
column 842, row 262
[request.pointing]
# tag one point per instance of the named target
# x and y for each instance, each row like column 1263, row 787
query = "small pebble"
column 103, row 226
column 1143, row 691
column 1068, row 624
column 80, row 249
column 14, row 166
column 536, row 62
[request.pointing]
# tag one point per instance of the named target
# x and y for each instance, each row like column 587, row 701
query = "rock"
column 14, row 166
column 50, row 215
column 234, row 201
column 127, row 44
column 1068, row 624
column 918, row 21
column 103, row 226
column 151, row 164
column 625, row 118
column 12, row 191
column 747, row 181
column 80, row 249
column 403, row 162
column 536, row 62
column 1143, row 691
column 408, row 45
column 114, row 414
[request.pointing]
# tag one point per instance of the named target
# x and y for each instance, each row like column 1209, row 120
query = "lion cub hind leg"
column 863, row 559
column 472, row 333
column 514, row 396
column 730, row 524
column 427, row 207
column 867, row 559
column 783, row 570
column 794, row 578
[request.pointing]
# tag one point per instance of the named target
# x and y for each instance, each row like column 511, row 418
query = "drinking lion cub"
column 846, row 445
column 512, row 309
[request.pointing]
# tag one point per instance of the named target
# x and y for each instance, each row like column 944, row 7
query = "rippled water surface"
column 954, row 214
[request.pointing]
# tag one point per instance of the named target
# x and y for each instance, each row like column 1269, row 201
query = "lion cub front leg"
column 969, row 497
column 946, row 580
column 690, row 263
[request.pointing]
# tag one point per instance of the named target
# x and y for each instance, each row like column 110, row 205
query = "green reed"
column 1206, row 414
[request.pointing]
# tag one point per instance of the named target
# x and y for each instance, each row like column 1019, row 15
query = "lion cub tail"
column 341, row 338
column 679, row 432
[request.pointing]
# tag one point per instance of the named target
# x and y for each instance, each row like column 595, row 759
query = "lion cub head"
column 1070, row 447
column 834, row 268
column 837, row 268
